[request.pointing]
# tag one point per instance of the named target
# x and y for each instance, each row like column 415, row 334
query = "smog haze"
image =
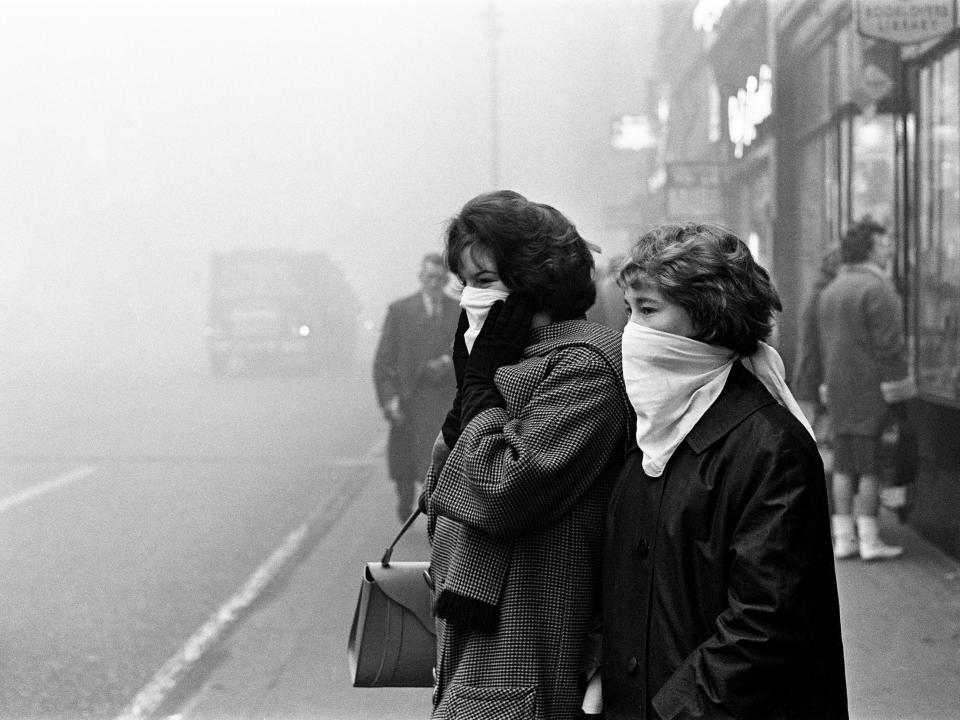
column 140, row 137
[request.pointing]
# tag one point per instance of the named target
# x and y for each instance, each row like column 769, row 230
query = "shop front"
column 869, row 108
column 742, row 61
column 719, row 160
column 838, row 103
column 933, row 227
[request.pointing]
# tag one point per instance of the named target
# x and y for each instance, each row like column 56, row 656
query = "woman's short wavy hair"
column 537, row 250
column 709, row 272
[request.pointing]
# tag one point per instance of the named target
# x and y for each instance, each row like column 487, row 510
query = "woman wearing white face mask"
column 523, row 466
column 720, row 598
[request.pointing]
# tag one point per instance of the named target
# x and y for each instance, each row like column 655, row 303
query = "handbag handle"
column 385, row 560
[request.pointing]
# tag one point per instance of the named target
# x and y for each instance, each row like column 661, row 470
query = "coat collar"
column 742, row 395
column 547, row 338
column 582, row 332
column 865, row 267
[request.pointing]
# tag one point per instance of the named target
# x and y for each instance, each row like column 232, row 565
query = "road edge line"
column 153, row 694
column 42, row 488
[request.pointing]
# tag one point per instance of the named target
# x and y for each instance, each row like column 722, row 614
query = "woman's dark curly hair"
column 710, row 273
column 536, row 249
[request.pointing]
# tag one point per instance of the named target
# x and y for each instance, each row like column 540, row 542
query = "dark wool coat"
column 517, row 518
column 410, row 339
column 719, row 591
column 861, row 345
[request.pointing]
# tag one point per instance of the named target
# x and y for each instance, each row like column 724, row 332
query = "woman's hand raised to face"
column 501, row 342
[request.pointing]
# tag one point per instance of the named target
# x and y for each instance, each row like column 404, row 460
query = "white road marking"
column 42, row 488
column 151, row 697
column 165, row 679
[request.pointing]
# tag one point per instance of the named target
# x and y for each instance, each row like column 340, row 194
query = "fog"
column 136, row 138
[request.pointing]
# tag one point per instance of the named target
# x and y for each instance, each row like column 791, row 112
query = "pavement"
column 287, row 659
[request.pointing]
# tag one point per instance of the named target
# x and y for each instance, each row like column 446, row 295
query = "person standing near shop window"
column 864, row 365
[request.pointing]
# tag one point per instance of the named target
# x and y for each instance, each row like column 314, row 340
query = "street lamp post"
column 493, row 32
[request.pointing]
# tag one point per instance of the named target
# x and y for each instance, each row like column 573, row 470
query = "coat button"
column 643, row 547
column 632, row 665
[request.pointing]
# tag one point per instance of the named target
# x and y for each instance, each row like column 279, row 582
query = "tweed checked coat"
column 516, row 519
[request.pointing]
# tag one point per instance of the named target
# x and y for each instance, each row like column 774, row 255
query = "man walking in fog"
column 864, row 363
column 413, row 375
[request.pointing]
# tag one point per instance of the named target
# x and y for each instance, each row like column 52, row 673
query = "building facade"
column 788, row 122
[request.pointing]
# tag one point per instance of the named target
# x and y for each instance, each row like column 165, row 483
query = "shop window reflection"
column 873, row 171
column 938, row 229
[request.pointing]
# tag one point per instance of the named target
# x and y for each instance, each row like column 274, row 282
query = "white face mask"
column 477, row 302
column 672, row 381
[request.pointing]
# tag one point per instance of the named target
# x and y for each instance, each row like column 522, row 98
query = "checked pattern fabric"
column 517, row 517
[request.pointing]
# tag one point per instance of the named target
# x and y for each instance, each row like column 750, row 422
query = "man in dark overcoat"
column 413, row 375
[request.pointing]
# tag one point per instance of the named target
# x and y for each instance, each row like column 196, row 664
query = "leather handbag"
column 393, row 638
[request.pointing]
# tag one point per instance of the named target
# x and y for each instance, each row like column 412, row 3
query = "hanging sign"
column 906, row 21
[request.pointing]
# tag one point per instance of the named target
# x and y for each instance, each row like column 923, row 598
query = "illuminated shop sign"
column 706, row 14
column 906, row 21
column 634, row 132
column 749, row 107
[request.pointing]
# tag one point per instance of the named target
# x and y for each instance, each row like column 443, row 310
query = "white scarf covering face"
column 672, row 381
column 477, row 302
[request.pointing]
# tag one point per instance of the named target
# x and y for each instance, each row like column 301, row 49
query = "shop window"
column 837, row 183
column 817, row 184
column 813, row 92
column 937, row 252
column 872, row 183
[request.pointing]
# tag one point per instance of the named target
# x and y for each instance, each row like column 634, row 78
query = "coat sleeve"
column 521, row 469
column 386, row 361
column 884, row 322
column 777, row 556
column 808, row 374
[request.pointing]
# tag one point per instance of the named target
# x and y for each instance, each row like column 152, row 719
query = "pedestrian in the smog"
column 719, row 591
column 865, row 380
column 413, row 376
column 523, row 467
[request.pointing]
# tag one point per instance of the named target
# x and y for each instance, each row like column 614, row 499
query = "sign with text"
column 906, row 21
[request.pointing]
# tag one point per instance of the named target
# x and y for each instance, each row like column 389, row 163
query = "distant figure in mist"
column 808, row 369
column 413, row 375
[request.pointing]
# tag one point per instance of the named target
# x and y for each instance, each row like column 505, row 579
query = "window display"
column 937, row 253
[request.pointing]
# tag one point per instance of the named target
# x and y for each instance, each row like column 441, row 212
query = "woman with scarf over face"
column 523, row 467
column 719, row 592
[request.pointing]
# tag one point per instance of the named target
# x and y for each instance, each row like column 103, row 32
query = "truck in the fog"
column 278, row 310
